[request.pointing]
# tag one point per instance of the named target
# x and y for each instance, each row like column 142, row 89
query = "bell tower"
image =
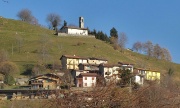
column 81, row 22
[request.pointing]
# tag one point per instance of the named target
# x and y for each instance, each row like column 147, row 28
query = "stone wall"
column 64, row 34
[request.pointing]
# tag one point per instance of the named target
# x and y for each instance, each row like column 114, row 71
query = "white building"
column 110, row 72
column 93, row 60
column 74, row 30
column 86, row 80
column 139, row 75
column 128, row 66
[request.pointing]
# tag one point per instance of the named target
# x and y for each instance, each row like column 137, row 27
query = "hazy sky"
column 141, row 20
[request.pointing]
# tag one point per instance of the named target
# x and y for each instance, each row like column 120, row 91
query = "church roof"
column 73, row 28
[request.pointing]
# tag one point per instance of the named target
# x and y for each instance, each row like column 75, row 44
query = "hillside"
column 28, row 44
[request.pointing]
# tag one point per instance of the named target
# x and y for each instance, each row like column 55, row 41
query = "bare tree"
column 148, row 48
column 25, row 15
column 122, row 40
column 38, row 69
column 68, row 80
column 54, row 20
column 157, row 51
column 34, row 21
column 44, row 48
column 137, row 46
column 165, row 55
column 8, row 67
column 114, row 42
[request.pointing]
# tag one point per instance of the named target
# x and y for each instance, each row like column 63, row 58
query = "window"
column 92, row 78
column 85, row 84
column 85, row 78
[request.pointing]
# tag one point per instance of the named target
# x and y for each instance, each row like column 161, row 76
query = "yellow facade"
column 72, row 63
column 49, row 85
column 46, row 81
column 152, row 75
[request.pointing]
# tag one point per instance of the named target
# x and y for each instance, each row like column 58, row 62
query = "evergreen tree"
column 100, row 35
column 114, row 33
column 94, row 32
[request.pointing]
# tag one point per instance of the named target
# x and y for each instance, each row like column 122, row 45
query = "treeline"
column 99, row 35
column 118, row 41
column 152, row 50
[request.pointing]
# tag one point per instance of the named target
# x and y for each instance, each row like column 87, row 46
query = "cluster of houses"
column 86, row 70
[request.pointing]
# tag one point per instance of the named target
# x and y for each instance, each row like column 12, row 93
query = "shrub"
column 8, row 67
column 9, row 79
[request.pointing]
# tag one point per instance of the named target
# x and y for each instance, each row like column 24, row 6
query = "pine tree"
column 114, row 33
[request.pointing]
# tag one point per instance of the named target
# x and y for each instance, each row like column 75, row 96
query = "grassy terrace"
column 25, row 44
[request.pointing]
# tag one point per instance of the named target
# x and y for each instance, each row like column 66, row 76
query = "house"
column 110, row 72
column 152, row 75
column 127, row 66
column 74, row 30
column 76, row 73
column 45, row 81
column 89, row 67
column 139, row 75
column 72, row 62
column 86, row 80
column 97, row 61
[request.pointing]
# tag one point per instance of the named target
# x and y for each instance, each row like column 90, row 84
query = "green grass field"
column 28, row 44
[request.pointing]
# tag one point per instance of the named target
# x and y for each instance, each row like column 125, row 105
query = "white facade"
column 97, row 61
column 86, row 80
column 111, row 72
column 83, row 61
column 129, row 67
column 89, row 81
column 74, row 31
column 139, row 79
column 140, row 75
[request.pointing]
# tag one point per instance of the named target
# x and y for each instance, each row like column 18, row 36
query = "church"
column 74, row 30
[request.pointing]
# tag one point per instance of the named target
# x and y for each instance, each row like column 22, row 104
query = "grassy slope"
column 34, row 37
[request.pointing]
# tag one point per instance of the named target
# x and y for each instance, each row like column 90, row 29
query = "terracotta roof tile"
column 88, row 74
column 93, row 58
column 74, row 28
column 71, row 56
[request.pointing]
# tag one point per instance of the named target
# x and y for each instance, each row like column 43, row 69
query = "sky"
column 157, row 21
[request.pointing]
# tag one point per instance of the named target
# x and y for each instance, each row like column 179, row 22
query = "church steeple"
column 81, row 22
